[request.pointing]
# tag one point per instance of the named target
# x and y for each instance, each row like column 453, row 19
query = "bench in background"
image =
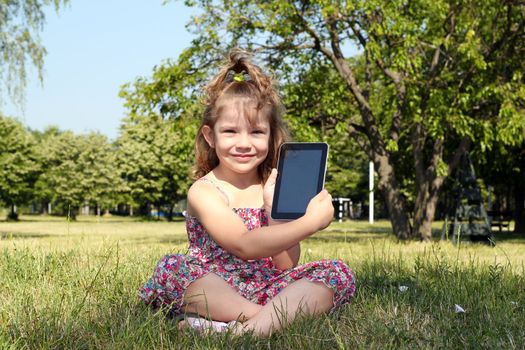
column 500, row 219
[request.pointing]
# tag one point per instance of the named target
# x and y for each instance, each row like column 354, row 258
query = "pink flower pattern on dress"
column 257, row 280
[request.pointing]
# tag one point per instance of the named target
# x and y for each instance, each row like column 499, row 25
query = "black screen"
column 299, row 179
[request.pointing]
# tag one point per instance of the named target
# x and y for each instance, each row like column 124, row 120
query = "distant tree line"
column 62, row 172
column 147, row 168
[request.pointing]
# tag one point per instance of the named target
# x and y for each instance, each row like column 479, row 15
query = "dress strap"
column 205, row 179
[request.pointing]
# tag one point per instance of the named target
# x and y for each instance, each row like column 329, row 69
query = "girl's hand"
column 320, row 210
column 268, row 190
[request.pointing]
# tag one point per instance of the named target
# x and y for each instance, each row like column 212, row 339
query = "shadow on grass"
column 18, row 235
column 509, row 236
column 504, row 236
column 168, row 239
column 117, row 219
column 342, row 237
column 372, row 229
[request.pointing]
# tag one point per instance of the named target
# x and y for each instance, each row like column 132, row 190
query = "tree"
column 101, row 179
column 434, row 78
column 18, row 162
column 157, row 139
column 20, row 22
column 43, row 191
column 154, row 159
column 78, row 170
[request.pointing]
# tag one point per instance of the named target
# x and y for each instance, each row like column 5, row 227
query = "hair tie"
column 238, row 77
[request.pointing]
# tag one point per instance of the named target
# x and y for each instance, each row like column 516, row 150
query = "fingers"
column 324, row 194
column 269, row 188
column 272, row 178
column 321, row 209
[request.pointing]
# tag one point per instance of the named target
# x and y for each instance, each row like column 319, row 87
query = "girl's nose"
column 243, row 141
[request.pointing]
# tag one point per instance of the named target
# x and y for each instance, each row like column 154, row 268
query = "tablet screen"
column 301, row 168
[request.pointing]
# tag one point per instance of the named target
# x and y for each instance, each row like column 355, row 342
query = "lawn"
column 74, row 285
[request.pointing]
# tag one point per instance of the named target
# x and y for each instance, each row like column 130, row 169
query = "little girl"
column 241, row 265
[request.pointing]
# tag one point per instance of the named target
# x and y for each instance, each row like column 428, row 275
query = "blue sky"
column 94, row 47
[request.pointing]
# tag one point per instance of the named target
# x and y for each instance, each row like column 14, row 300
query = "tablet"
column 301, row 174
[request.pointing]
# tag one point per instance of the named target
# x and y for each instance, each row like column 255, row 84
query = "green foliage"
column 155, row 148
column 20, row 23
column 77, row 170
column 18, row 162
column 154, row 157
column 47, row 158
column 318, row 109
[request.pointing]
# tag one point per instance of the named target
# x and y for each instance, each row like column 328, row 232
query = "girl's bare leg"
column 211, row 296
column 301, row 297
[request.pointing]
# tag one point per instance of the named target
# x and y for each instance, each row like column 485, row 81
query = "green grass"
column 74, row 286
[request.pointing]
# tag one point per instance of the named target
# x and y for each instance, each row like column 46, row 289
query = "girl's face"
column 240, row 137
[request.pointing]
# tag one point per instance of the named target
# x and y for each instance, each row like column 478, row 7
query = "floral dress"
column 257, row 280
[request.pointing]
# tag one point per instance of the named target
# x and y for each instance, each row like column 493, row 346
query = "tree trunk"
column 13, row 215
column 425, row 208
column 144, row 209
column 71, row 213
column 519, row 208
column 394, row 200
column 428, row 181
column 170, row 214
column 425, row 230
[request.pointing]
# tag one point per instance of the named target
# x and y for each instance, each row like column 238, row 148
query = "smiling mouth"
column 243, row 155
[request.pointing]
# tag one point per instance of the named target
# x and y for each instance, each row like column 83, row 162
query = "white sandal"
column 204, row 325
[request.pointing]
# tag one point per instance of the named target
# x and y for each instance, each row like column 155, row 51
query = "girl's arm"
column 289, row 258
column 228, row 230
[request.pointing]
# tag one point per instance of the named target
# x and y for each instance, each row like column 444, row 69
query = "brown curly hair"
column 258, row 90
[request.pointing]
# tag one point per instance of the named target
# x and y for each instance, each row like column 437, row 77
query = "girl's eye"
column 229, row 131
column 256, row 131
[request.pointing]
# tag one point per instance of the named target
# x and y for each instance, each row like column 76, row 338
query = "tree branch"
column 463, row 147
column 508, row 36
column 451, row 20
column 342, row 66
column 437, row 155
column 418, row 142
column 284, row 45
column 357, row 132
column 397, row 79
column 358, row 34
column 358, row 128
